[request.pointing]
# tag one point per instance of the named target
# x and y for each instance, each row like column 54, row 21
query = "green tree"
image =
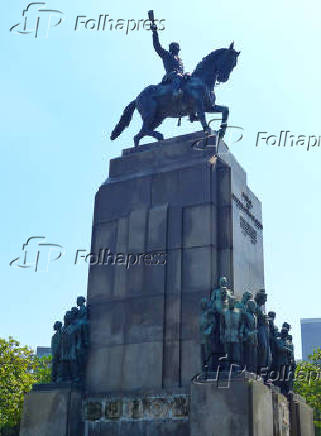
column 43, row 369
column 19, row 370
column 308, row 383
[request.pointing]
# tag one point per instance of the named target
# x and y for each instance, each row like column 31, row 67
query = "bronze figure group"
column 237, row 335
column 69, row 345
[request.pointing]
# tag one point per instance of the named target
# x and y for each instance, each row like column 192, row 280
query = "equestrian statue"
column 180, row 94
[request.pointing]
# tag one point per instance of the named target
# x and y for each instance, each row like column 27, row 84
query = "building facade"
column 310, row 335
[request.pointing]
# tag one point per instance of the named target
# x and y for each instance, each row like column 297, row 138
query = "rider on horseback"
column 196, row 95
column 172, row 62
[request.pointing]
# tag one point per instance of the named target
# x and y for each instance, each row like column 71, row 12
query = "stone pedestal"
column 52, row 411
column 242, row 407
column 301, row 417
column 178, row 203
column 281, row 414
column 159, row 414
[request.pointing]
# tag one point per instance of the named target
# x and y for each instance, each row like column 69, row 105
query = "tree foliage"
column 43, row 369
column 19, row 370
column 308, row 382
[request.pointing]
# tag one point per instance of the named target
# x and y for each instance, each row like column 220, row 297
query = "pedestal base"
column 140, row 414
column 52, row 412
column 241, row 406
column 244, row 406
column 281, row 415
column 301, row 417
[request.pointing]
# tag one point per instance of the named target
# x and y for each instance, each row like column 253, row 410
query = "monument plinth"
column 176, row 199
column 239, row 406
column 53, row 411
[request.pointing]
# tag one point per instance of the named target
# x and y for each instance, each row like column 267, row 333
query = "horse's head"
column 225, row 63
column 217, row 66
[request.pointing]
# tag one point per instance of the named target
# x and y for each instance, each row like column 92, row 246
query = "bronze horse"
column 155, row 103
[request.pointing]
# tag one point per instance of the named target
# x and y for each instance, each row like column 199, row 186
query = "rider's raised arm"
column 157, row 47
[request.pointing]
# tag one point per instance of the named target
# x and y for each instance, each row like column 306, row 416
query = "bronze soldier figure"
column 207, row 326
column 73, row 332
column 66, row 348
column 56, row 352
column 291, row 363
column 218, row 303
column 232, row 332
column 283, row 353
column 82, row 337
column 250, row 338
column 247, row 296
column 263, row 331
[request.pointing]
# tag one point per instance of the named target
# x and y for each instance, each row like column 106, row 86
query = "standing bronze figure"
column 219, row 300
column 263, row 330
column 250, row 337
column 207, row 326
column 232, row 332
column 56, row 352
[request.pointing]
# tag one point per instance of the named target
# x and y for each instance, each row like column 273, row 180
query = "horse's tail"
column 124, row 120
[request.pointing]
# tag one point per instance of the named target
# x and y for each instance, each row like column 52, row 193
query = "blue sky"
column 61, row 96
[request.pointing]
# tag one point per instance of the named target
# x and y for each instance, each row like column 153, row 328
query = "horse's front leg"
column 225, row 113
column 200, row 112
